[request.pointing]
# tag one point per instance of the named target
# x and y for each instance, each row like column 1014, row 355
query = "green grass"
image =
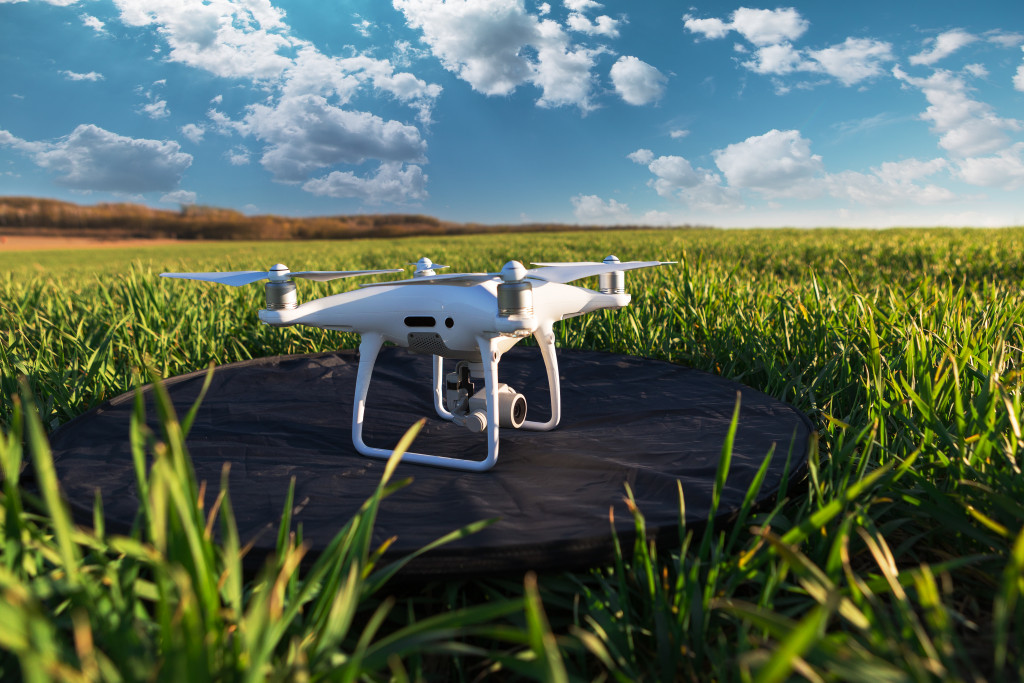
column 901, row 559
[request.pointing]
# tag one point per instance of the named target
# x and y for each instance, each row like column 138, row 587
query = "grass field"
column 901, row 559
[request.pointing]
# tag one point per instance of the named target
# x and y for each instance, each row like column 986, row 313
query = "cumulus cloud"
column 854, row 60
column 636, row 81
column 779, row 60
column 392, row 183
column 237, row 156
column 91, row 158
column 776, row 164
column 157, row 109
column 496, row 46
column 772, row 33
column 92, row 22
column 179, row 197
column 305, row 133
column 229, row 38
column 1018, row 78
column 1004, row 169
column 676, row 178
column 600, row 26
column 966, row 127
column 641, row 156
column 193, row 132
column 91, row 76
column 942, row 46
column 759, row 26
column 678, row 133
column 891, row 184
column 589, row 208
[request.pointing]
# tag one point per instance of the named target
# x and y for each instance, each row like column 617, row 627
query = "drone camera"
column 281, row 295
column 613, row 282
column 469, row 407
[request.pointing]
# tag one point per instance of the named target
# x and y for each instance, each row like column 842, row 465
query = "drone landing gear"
column 501, row 406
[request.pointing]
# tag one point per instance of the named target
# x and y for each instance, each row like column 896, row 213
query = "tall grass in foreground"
column 902, row 559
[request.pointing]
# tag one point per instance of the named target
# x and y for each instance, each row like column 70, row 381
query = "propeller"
column 562, row 272
column 277, row 273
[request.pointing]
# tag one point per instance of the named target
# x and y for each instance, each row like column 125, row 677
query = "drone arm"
column 442, row 412
column 545, row 337
column 369, row 347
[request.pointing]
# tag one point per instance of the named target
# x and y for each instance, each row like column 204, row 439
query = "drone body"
column 472, row 318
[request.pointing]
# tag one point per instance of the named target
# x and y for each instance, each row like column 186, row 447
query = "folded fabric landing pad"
column 625, row 420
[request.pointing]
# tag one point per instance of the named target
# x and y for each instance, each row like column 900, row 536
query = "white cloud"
column 237, row 156
column 392, row 183
column 966, row 127
column 1018, row 78
column 193, row 132
column 636, row 81
column 678, row 133
column 91, row 158
column 589, row 208
column 1004, row 169
column 543, row 9
column 57, row 3
column 304, row 133
column 91, row 76
column 497, row 46
column 312, row 72
column 675, row 178
column 1004, row 39
column 362, row 26
column 772, row 33
column 641, row 156
column 891, row 184
column 942, row 46
column 157, row 109
column 179, row 197
column 976, row 70
column 778, row 60
column 768, row 27
column 601, row 26
column 229, row 38
column 581, row 5
column 709, row 28
column 854, row 60
column 776, row 164
column 92, row 22
column 759, row 26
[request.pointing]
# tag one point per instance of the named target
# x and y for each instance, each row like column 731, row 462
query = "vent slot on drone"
column 420, row 321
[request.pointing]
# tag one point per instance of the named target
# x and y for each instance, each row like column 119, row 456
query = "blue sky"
column 508, row 111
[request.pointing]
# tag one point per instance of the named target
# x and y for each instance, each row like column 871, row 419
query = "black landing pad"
column 624, row 420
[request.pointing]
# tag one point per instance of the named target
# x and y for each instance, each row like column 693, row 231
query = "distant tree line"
column 51, row 217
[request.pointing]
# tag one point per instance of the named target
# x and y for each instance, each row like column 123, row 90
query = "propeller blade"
column 235, row 278
column 328, row 275
column 569, row 272
column 452, row 279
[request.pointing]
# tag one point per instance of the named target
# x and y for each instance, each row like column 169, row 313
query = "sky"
column 870, row 113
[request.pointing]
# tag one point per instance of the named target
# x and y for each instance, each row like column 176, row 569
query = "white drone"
column 472, row 318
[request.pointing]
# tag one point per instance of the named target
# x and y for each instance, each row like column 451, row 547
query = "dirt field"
column 20, row 243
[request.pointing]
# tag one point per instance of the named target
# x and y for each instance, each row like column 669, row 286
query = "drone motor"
column 613, row 282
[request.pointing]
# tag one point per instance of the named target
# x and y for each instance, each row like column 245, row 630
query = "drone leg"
column 489, row 354
column 369, row 347
column 439, row 389
column 545, row 337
